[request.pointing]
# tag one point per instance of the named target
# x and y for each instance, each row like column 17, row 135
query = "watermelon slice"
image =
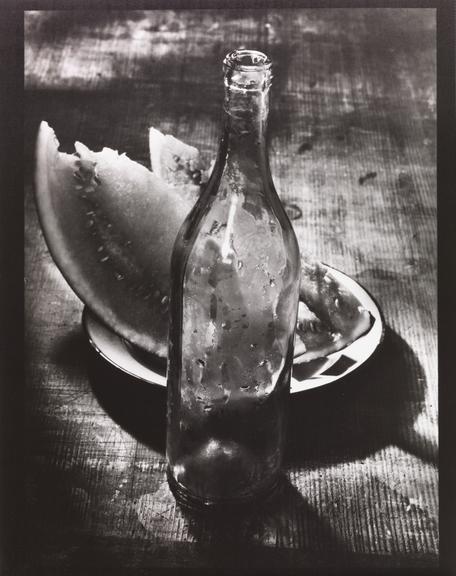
column 176, row 163
column 110, row 224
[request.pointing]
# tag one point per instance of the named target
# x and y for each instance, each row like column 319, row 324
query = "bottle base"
column 188, row 500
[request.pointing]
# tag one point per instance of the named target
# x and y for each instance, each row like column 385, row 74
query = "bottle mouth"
column 247, row 60
column 247, row 70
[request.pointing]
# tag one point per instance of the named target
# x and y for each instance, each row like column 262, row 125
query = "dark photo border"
column 13, row 392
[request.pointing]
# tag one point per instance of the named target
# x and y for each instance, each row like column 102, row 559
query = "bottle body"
column 233, row 313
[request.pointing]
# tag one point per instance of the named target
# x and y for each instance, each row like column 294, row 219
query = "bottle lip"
column 247, row 60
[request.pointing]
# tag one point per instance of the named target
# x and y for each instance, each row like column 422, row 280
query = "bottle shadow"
column 284, row 521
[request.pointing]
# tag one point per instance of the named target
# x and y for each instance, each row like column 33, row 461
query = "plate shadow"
column 370, row 408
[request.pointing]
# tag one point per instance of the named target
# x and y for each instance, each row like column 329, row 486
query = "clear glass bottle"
column 234, row 301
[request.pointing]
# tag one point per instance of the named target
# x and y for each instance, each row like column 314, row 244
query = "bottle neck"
column 246, row 108
column 245, row 122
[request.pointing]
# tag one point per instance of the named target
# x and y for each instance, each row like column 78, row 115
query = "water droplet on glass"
column 104, row 259
column 272, row 282
column 253, row 346
column 226, row 325
column 120, row 276
column 262, row 363
column 214, row 227
column 245, row 387
column 224, row 372
column 240, row 264
column 213, row 307
column 208, row 408
column 201, row 362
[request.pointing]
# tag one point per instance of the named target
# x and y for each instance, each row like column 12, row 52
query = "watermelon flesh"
column 110, row 225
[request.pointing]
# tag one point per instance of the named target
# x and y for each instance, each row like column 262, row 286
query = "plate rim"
column 379, row 325
column 296, row 386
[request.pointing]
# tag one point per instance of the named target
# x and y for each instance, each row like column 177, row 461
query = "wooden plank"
column 353, row 147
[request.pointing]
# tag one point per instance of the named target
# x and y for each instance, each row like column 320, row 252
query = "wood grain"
column 353, row 132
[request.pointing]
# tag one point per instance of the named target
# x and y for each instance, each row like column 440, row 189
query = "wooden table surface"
column 353, row 135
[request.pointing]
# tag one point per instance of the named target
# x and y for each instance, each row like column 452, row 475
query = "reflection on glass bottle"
column 234, row 300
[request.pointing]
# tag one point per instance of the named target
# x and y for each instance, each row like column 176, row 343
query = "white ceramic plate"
column 306, row 375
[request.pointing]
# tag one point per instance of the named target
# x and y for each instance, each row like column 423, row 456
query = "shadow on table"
column 139, row 407
column 282, row 522
column 375, row 406
column 371, row 408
